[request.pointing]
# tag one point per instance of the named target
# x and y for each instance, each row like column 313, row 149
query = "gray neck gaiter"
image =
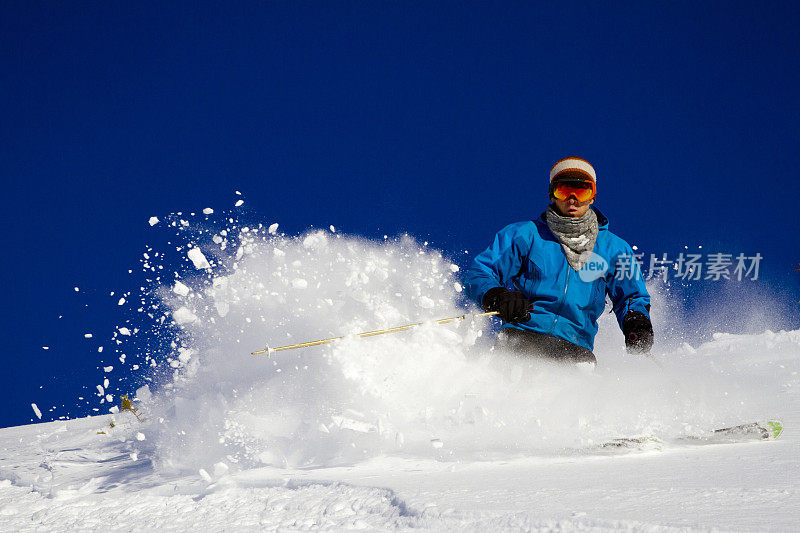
column 577, row 235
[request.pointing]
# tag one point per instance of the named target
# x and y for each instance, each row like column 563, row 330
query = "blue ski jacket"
column 527, row 256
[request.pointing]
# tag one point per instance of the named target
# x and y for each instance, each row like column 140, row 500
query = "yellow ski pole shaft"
column 269, row 350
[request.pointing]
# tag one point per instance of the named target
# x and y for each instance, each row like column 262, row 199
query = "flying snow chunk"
column 108, row 368
column 125, row 331
column 208, row 211
column 87, row 335
column 333, row 229
column 121, row 301
column 273, row 228
column 454, row 268
column 426, row 302
column 140, row 436
column 198, row 259
column 222, row 308
column 37, row 411
column 220, row 469
column 185, row 356
column 180, row 289
column 238, row 203
column 457, row 286
column 315, row 240
column 153, row 221
column 183, row 316
column 299, row 283
column 143, row 393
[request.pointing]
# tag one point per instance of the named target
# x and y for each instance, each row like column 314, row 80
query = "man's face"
column 571, row 207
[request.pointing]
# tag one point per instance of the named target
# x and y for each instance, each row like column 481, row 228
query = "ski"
column 754, row 431
column 763, row 430
column 646, row 443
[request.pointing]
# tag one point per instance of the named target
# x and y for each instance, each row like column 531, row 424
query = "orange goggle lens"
column 583, row 191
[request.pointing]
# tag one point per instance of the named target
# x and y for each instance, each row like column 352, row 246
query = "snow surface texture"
column 429, row 428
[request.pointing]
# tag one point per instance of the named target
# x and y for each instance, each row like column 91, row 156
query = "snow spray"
column 438, row 392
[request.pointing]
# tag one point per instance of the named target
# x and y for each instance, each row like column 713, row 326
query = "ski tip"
column 774, row 427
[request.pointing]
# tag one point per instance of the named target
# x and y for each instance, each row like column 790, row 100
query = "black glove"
column 638, row 332
column 512, row 306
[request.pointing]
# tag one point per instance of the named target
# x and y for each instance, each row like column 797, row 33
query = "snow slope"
column 426, row 429
column 64, row 475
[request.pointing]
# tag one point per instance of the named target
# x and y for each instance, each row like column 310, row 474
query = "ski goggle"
column 583, row 190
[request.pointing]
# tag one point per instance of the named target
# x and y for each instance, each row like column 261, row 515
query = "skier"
column 548, row 278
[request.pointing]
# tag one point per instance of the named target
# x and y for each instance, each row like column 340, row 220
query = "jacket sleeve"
column 497, row 264
column 626, row 286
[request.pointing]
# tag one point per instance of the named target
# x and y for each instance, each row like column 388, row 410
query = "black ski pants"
column 539, row 345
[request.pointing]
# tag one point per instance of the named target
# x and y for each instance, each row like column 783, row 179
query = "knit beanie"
column 573, row 169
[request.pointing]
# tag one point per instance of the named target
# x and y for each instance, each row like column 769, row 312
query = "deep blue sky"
column 440, row 119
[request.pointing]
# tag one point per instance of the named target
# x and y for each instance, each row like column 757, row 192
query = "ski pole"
column 269, row 350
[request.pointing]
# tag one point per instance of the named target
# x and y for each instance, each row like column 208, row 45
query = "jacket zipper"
column 563, row 299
